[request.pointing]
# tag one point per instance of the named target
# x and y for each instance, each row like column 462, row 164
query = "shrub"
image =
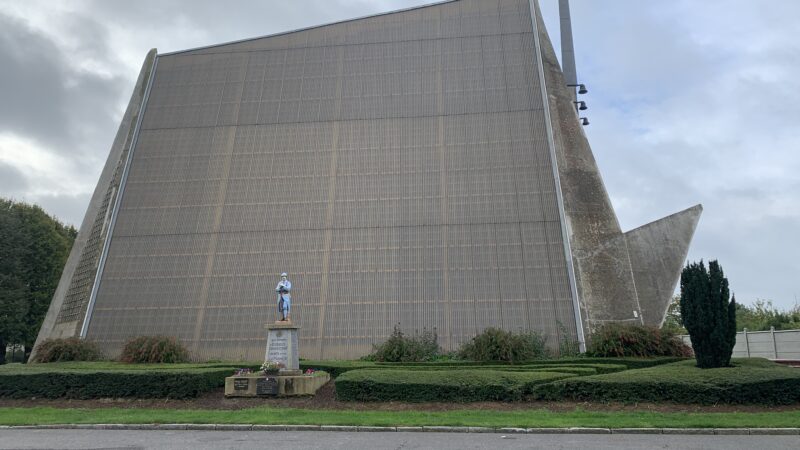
column 567, row 346
column 79, row 384
column 427, row 386
column 616, row 339
column 154, row 349
column 708, row 313
column 402, row 348
column 495, row 344
column 335, row 368
column 69, row 349
column 748, row 381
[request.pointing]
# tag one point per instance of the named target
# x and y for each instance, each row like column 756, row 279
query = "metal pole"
column 774, row 344
column 567, row 47
column 746, row 342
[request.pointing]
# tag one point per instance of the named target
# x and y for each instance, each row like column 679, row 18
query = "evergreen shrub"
column 620, row 340
column 154, row 349
column 708, row 313
column 67, row 349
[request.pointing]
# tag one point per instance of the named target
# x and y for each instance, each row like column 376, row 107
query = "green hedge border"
column 440, row 386
column 748, row 382
column 113, row 384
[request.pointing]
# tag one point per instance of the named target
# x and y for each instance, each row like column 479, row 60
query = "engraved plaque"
column 279, row 349
column 267, row 386
column 240, row 384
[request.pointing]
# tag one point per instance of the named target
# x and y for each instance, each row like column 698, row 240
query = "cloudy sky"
column 690, row 102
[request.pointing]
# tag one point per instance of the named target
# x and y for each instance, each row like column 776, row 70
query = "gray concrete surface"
column 95, row 221
column 658, row 251
column 620, row 277
column 130, row 439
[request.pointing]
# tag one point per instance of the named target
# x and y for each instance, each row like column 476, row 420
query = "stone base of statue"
column 258, row 385
column 283, row 347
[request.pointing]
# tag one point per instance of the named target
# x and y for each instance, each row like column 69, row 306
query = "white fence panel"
column 783, row 344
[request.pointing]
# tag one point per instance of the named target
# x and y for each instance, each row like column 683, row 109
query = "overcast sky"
column 690, row 102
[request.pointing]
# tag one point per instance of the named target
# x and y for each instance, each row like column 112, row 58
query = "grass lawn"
column 478, row 418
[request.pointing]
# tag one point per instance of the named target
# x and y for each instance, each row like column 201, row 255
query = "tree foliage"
column 673, row 322
column 762, row 316
column 708, row 313
column 33, row 250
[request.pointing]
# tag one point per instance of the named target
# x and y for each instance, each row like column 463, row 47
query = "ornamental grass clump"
column 495, row 344
column 69, row 349
column 403, row 348
column 154, row 349
column 627, row 340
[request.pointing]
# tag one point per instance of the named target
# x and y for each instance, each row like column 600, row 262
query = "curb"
column 426, row 429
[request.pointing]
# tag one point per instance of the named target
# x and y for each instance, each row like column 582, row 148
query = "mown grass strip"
column 475, row 418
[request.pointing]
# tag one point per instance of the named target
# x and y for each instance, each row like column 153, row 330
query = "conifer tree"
column 708, row 313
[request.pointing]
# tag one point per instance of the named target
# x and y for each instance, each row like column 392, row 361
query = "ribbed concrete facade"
column 402, row 168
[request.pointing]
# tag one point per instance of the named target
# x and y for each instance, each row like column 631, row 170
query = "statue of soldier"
column 284, row 298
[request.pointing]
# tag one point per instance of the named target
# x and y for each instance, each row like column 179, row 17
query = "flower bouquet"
column 272, row 367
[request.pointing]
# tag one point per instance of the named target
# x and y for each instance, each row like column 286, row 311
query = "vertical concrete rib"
column 84, row 254
column 552, row 147
column 325, row 285
column 121, row 193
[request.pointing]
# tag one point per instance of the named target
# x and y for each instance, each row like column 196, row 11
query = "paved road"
column 196, row 440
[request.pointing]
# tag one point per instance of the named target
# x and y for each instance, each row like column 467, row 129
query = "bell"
column 584, row 121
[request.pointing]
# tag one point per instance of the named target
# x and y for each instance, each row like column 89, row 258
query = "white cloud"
column 47, row 173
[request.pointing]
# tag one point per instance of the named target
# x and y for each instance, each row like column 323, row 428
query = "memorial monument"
column 424, row 167
column 280, row 374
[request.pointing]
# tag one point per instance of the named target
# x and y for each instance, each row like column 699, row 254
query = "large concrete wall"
column 658, row 252
column 67, row 309
column 602, row 265
column 620, row 277
column 396, row 167
column 424, row 168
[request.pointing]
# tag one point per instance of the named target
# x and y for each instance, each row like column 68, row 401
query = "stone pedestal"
column 257, row 385
column 283, row 346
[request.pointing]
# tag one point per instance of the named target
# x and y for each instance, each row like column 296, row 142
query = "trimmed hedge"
column 630, row 363
column 586, row 369
column 83, row 384
column 440, row 386
column 749, row 381
column 336, row 368
column 95, row 366
column 603, row 365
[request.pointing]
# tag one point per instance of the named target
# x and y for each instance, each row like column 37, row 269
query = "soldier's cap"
column 284, row 274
